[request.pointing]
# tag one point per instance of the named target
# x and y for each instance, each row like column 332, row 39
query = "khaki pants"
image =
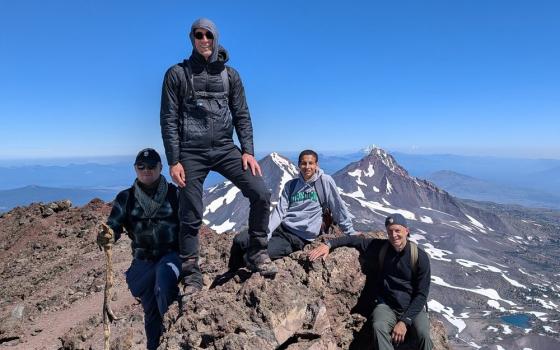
column 384, row 320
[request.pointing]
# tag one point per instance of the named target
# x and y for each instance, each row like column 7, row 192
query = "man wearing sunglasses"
column 148, row 211
column 202, row 102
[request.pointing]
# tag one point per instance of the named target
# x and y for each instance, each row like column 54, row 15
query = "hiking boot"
column 191, row 276
column 262, row 264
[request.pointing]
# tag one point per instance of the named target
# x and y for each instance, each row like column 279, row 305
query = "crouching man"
column 402, row 274
column 148, row 213
column 307, row 207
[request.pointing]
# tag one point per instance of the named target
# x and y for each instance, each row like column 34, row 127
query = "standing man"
column 299, row 217
column 202, row 101
column 402, row 274
column 149, row 212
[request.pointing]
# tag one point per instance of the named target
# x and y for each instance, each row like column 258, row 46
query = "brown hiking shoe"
column 262, row 264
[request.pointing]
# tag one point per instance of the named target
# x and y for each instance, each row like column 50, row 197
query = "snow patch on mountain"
column 426, row 219
column 435, row 253
column 358, row 175
column 290, row 171
column 226, row 226
column 389, row 189
column 476, row 223
column 437, row 211
column 377, row 207
column 467, row 263
column 495, row 305
column 226, row 199
column 448, row 313
column 370, row 171
column 486, row 292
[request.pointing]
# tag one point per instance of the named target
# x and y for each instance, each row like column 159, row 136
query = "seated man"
column 148, row 212
column 402, row 275
column 297, row 219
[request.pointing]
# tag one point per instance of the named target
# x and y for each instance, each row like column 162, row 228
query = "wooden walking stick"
column 108, row 315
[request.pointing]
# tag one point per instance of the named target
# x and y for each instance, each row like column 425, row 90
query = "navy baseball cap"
column 148, row 156
column 395, row 219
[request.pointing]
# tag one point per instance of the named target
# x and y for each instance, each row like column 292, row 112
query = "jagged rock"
column 46, row 211
column 307, row 306
column 54, row 207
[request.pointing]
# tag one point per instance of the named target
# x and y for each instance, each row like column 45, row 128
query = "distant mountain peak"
column 283, row 163
column 377, row 154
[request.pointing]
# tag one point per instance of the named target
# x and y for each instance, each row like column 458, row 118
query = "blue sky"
column 83, row 78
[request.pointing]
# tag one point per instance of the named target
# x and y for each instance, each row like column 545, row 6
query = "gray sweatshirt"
column 301, row 213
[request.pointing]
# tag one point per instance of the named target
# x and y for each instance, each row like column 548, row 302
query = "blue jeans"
column 155, row 283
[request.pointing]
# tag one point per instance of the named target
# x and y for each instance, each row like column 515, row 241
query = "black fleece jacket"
column 395, row 285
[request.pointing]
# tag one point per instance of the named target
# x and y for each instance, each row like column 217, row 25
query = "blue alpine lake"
column 519, row 320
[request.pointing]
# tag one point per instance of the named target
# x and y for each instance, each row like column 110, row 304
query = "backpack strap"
column 189, row 89
column 414, row 258
column 321, row 193
column 225, row 81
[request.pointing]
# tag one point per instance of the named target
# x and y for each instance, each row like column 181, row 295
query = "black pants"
column 282, row 243
column 227, row 162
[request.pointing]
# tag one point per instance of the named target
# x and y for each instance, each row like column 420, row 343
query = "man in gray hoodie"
column 297, row 219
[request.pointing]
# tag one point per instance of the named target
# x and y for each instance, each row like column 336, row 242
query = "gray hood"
column 207, row 24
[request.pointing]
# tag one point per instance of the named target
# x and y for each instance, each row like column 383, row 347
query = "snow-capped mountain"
column 376, row 186
column 225, row 208
column 494, row 268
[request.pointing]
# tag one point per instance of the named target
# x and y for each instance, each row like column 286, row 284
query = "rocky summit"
column 307, row 306
column 52, row 292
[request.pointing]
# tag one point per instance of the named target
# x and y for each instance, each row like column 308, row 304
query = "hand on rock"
column 320, row 252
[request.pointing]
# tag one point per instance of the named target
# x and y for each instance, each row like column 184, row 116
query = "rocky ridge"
column 53, row 278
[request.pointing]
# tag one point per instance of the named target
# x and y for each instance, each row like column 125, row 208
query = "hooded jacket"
column 300, row 212
column 204, row 118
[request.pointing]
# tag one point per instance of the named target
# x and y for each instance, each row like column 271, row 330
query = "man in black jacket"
column 402, row 274
column 202, row 101
column 149, row 212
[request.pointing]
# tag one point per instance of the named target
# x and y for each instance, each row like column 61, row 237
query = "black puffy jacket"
column 207, row 119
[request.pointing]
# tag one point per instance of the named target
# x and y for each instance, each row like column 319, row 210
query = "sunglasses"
column 146, row 166
column 200, row 35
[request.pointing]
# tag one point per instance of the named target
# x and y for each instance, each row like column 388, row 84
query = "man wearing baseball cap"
column 148, row 211
column 401, row 274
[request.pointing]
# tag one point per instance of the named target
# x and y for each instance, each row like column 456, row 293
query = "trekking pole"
column 108, row 315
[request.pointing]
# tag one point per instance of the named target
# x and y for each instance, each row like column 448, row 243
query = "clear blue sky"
column 83, row 78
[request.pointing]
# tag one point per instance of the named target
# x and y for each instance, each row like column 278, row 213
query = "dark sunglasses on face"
column 200, row 35
column 146, row 166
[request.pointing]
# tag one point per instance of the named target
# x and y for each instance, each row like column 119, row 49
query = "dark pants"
column 282, row 243
column 155, row 283
column 385, row 319
column 227, row 162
